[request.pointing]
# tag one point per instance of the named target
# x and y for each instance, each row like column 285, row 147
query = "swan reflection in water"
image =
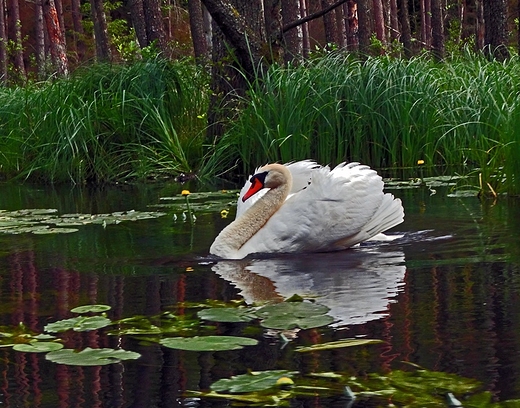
column 357, row 285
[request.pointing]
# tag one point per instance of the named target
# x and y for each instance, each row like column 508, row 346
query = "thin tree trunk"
column 379, row 21
column 79, row 33
column 437, row 29
column 155, row 31
column 394, row 21
column 364, row 11
column 406, row 33
column 329, row 23
column 426, row 24
column 103, row 52
column 200, row 47
column 137, row 16
column 292, row 39
column 40, row 40
column 3, row 42
column 305, row 30
column 15, row 35
column 56, row 38
column 352, row 26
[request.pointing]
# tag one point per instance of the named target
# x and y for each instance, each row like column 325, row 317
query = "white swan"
column 304, row 207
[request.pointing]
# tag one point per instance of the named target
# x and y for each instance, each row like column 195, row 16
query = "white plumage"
column 303, row 207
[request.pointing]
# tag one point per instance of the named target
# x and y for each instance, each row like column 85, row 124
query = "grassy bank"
column 388, row 113
column 111, row 123
column 106, row 123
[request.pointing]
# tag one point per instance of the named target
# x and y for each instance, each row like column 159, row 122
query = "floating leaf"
column 290, row 315
column 91, row 357
column 38, row 347
column 80, row 323
column 42, row 231
column 338, row 344
column 91, row 309
column 250, row 382
column 208, row 343
column 226, row 314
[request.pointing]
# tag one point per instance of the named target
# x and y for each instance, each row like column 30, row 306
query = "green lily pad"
column 291, row 315
column 79, row 324
column 38, row 347
column 91, row 357
column 338, row 344
column 91, row 309
column 226, row 314
column 251, row 382
column 208, row 343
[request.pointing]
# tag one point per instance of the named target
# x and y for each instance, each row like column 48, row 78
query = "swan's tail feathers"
column 389, row 214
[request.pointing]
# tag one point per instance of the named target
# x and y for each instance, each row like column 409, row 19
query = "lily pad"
column 226, row 314
column 78, row 324
column 291, row 315
column 91, row 309
column 338, row 344
column 38, row 347
column 208, row 343
column 251, row 382
column 91, row 357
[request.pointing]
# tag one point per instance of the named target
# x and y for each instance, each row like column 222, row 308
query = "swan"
column 304, row 207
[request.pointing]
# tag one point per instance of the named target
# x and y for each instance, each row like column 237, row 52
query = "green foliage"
column 107, row 123
column 251, row 382
column 386, row 112
column 208, row 343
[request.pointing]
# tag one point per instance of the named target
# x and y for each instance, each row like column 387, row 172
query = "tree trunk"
column 40, row 40
column 394, row 21
column 3, row 42
column 437, row 29
column 352, row 26
column 78, row 34
column 329, row 24
column 379, row 21
column 305, row 30
column 136, row 10
column 200, row 47
column 426, row 24
column 292, row 39
column 155, row 31
column 404, row 21
column 56, row 38
column 103, row 52
column 364, row 11
column 14, row 26
column 495, row 38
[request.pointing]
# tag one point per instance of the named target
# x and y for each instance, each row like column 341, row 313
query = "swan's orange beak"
column 256, row 186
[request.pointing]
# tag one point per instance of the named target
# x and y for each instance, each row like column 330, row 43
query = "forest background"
column 105, row 91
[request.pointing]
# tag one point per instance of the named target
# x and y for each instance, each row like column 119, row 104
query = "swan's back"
column 328, row 210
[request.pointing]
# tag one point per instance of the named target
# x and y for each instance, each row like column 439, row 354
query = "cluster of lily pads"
column 48, row 221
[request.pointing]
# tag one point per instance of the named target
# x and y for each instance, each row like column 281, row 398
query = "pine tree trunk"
column 40, row 41
column 364, row 11
column 437, row 29
column 406, row 32
column 495, row 39
column 103, row 52
column 292, row 39
column 329, row 23
column 3, row 42
column 136, row 10
column 77, row 26
column 56, row 38
column 200, row 47
column 352, row 26
column 379, row 21
column 15, row 35
column 155, row 31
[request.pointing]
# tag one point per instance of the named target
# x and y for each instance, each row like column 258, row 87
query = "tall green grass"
column 107, row 123
column 387, row 112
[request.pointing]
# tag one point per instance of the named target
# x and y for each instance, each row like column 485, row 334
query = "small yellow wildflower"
column 419, row 162
column 189, row 269
column 224, row 213
column 185, row 192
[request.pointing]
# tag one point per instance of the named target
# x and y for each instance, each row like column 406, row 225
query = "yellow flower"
column 185, row 192
column 224, row 213
column 419, row 162
column 189, row 269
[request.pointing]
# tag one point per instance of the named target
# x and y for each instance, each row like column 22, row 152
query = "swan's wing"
column 338, row 209
column 301, row 176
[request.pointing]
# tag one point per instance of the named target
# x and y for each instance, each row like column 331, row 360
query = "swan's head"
column 269, row 176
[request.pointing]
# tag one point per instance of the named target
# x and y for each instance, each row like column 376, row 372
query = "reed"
column 107, row 123
column 386, row 112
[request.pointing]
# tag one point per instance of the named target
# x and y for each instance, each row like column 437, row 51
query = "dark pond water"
column 444, row 297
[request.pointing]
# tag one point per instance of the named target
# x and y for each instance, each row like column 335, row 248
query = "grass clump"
column 107, row 123
column 386, row 112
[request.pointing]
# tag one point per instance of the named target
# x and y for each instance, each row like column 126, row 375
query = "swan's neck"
column 236, row 234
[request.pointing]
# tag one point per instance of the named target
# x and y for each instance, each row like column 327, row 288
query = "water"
column 444, row 297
